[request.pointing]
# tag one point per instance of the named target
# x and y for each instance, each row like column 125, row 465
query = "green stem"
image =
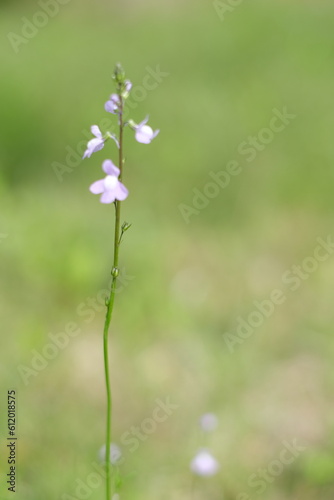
column 110, row 306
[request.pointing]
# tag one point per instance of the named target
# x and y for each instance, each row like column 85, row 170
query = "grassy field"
column 232, row 219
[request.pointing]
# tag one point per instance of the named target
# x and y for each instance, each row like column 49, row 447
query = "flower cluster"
column 111, row 188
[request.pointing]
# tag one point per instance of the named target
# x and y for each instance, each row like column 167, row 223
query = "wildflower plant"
column 112, row 190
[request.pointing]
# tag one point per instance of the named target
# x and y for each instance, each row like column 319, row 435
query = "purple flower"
column 110, row 187
column 94, row 144
column 204, row 464
column 144, row 133
column 113, row 104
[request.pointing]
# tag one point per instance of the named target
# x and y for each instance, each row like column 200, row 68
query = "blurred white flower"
column 115, row 454
column 204, row 464
column 208, row 422
column 115, row 497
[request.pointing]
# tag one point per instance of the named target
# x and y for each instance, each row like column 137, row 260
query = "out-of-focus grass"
column 189, row 282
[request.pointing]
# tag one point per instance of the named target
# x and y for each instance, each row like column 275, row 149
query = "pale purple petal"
column 156, row 132
column 144, row 121
column 97, row 187
column 93, row 146
column 110, row 183
column 108, row 196
column 142, row 138
column 115, row 99
column 121, row 192
column 96, row 131
column 144, row 134
column 110, row 107
column 109, row 168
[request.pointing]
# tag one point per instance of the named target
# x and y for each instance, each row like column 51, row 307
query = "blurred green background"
column 184, row 284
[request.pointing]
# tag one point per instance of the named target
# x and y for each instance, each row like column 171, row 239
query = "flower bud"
column 127, row 89
column 114, row 272
column 125, row 226
column 132, row 124
column 119, row 74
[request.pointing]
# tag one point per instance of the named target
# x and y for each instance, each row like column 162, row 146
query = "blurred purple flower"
column 110, row 187
column 144, row 133
column 204, row 464
column 208, row 422
column 94, row 144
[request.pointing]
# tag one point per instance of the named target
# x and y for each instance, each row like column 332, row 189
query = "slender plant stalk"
column 110, row 305
column 112, row 190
